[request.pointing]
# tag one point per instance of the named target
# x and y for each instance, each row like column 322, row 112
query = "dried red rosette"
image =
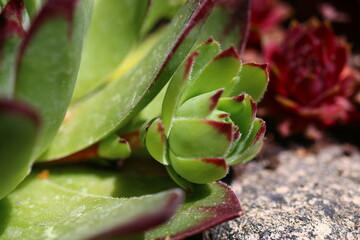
column 310, row 82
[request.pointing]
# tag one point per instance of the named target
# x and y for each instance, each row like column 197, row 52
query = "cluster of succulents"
column 75, row 74
column 311, row 81
column 208, row 116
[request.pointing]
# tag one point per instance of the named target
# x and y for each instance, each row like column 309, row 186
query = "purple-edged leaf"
column 228, row 24
column 193, row 64
column 48, row 62
column 242, row 111
column 19, row 125
column 251, row 146
column 199, row 138
column 200, row 106
column 253, row 80
column 217, row 74
column 113, row 106
column 114, row 28
column 44, row 209
column 208, row 206
column 155, row 141
column 199, row 170
column 11, row 34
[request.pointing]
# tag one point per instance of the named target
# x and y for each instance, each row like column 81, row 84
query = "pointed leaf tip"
column 239, row 98
column 261, row 131
column 10, row 20
column 210, row 40
column 14, row 8
column 189, row 64
column 230, row 52
column 215, row 99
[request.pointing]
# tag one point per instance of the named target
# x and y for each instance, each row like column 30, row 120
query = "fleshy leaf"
column 42, row 209
column 249, row 148
column 208, row 206
column 114, row 147
column 201, row 170
column 155, row 141
column 33, row 7
column 11, row 34
column 127, row 96
column 222, row 69
column 48, row 63
column 114, row 28
column 199, row 138
column 212, row 204
column 242, row 112
column 253, row 80
column 19, row 126
column 160, row 10
column 200, row 106
column 183, row 183
column 228, row 24
column 203, row 54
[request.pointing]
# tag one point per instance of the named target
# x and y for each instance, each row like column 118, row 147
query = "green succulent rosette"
column 208, row 120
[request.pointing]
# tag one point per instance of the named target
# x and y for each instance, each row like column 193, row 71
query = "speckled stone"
column 308, row 196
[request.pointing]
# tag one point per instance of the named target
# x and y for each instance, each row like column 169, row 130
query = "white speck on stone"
column 323, row 230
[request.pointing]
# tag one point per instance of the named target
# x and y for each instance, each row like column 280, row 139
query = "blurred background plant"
column 313, row 49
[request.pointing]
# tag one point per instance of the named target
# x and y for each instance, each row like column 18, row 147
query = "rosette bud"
column 208, row 116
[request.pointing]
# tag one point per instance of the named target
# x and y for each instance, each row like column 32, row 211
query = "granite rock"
column 309, row 195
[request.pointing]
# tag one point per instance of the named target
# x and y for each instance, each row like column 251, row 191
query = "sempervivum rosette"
column 310, row 84
column 208, row 116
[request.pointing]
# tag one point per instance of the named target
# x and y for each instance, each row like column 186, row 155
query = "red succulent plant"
column 310, row 81
column 266, row 15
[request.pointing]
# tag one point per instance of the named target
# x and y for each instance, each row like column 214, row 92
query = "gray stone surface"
column 310, row 195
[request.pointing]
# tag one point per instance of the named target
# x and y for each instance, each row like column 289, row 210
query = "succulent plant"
column 208, row 116
column 310, row 84
column 266, row 16
column 74, row 75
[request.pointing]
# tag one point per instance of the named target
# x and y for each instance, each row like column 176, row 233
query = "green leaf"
column 155, row 141
column 200, row 106
column 113, row 106
column 194, row 63
column 251, row 146
column 217, row 74
column 242, row 111
column 11, row 34
column 199, row 170
column 33, row 7
column 228, row 24
column 160, row 10
column 199, row 138
column 208, row 206
column 43, row 209
column 114, row 147
column 19, row 126
column 253, row 80
column 114, row 28
column 48, row 63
